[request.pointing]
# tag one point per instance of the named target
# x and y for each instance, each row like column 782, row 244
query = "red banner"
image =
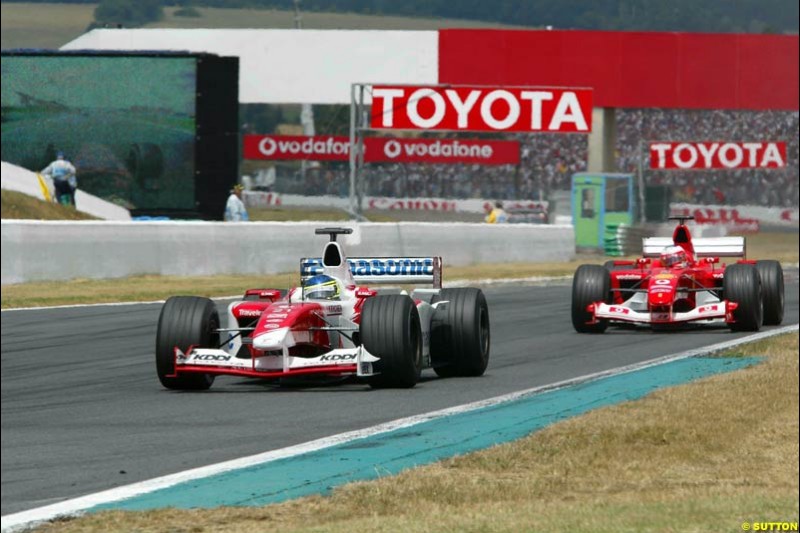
column 631, row 69
column 382, row 149
column 526, row 109
column 717, row 155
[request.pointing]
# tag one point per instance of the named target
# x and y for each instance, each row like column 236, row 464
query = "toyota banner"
column 493, row 109
column 670, row 155
column 382, row 149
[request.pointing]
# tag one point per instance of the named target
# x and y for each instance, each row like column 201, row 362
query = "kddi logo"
column 338, row 357
column 211, row 357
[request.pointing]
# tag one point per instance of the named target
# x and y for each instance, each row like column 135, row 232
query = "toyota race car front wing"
column 343, row 361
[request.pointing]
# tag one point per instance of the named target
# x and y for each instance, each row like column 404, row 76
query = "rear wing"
column 376, row 270
column 703, row 247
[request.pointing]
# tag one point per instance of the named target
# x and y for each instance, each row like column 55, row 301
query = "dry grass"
column 148, row 288
column 706, row 456
column 133, row 289
column 22, row 206
column 43, row 25
column 783, row 246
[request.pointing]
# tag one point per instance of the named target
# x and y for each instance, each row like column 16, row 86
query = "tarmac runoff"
column 319, row 466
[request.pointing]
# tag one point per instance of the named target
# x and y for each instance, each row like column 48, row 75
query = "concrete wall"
column 42, row 250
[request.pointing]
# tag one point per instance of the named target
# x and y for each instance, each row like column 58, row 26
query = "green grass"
column 32, row 25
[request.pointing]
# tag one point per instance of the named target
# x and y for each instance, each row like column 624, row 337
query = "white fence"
column 42, row 250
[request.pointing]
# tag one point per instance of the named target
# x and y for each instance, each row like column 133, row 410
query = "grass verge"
column 148, row 288
column 706, row 456
column 22, row 206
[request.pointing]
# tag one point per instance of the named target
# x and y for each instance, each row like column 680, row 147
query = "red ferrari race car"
column 330, row 326
column 679, row 281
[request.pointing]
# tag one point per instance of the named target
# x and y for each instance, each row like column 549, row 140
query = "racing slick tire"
column 742, row 285
column 185, row 321
column 146, row 164
column 590, row 284
column 460, row 333
column 772, row 294
column 390, row 329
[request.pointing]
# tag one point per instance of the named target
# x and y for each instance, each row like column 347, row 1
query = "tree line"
column 750, row 16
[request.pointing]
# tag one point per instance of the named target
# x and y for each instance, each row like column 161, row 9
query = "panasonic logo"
column 392, row 267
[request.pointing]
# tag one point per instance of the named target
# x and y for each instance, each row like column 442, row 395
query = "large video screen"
column 127, row 123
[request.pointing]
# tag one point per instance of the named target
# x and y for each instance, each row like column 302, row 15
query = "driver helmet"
column 321, row 287
column 672, row 256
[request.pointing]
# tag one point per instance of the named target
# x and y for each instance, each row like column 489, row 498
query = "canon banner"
column 382, row 149
column 717, row 155
column 525, row 109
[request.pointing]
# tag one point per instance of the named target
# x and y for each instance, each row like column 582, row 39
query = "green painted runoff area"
column 389, row 453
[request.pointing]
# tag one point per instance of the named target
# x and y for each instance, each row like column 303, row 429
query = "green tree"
column 129, row 13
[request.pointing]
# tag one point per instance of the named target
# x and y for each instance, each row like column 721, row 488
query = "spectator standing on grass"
column 64, row 180
column 497, row 215
column 235, row 211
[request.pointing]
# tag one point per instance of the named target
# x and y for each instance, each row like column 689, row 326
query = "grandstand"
column 744, row 102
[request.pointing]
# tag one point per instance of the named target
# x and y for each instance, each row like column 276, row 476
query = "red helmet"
column 673, row 256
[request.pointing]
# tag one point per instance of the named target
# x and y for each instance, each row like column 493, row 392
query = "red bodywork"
column 670, row 290
column 269, row 311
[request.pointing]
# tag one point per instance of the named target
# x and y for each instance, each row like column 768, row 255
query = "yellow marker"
column 45, row 190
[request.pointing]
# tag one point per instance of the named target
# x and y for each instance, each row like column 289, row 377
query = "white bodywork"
column 339, row 315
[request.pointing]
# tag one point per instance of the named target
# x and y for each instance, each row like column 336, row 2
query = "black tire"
column 390, row 330
column 145, row 163
column 185, row 321
column 460, row 333
column 772, row 294
column 590, row 284
column 742, row 285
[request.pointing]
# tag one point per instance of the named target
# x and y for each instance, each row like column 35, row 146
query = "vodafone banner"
column 525, row 109
column 382, row 149
column 717, row 155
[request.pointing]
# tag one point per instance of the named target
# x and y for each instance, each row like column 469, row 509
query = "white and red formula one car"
column 330, row 326
column 677, row 281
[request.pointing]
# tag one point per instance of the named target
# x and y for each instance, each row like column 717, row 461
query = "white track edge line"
column 14, row 522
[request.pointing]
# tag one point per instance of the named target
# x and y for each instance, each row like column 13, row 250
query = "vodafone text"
column 482, row 109
column 382, row 149
column 700, row 155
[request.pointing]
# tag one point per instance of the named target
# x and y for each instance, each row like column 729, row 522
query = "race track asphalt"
column 82, row 409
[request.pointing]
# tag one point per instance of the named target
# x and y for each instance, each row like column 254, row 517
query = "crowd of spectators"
column 767, row 187
column 547, row 162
